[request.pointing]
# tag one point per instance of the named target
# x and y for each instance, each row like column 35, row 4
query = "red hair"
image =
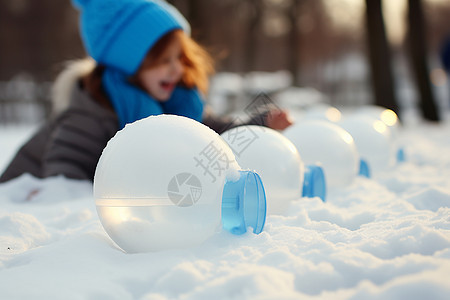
column 197, row 62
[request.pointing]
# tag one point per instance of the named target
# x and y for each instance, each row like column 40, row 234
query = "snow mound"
column 382, row 238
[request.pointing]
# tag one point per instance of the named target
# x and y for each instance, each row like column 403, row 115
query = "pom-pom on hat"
column 119, row 33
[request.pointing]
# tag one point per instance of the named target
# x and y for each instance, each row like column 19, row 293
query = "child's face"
column 161, row 79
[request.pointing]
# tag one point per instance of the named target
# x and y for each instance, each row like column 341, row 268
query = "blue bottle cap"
column 244, row 204
column 401, row 157
column 314, row 184
column 364, row 169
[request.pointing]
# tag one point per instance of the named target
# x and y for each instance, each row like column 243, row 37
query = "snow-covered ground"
column 382, row 238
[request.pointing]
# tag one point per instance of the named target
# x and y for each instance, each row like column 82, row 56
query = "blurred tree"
column 294, row 43
column 35, row 36
column 418, row 56
column 253, row 32
column 380, row 57
column 437, row 17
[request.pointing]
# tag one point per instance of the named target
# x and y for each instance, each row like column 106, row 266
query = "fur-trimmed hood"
column 66, row 81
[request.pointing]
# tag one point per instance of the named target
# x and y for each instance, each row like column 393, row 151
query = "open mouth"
column 166, row 85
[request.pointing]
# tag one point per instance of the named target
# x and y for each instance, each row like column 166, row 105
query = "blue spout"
column 244, row 204
column 314, row 184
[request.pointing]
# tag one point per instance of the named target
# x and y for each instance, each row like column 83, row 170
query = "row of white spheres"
column 373, row 131
column 133, row 180
column 276, row 159
column 138, row 222
column 280, row 159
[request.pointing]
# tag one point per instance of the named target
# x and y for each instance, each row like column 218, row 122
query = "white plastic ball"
column 328, row 145
column 159, row 182
column 323, row 112
column 373, row 141
column 274, row 158
column 387, row 116
column 390, row 118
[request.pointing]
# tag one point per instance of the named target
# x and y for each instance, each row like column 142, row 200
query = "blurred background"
column 344, row 53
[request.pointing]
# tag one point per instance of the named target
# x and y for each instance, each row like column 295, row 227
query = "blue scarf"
column 132, row 103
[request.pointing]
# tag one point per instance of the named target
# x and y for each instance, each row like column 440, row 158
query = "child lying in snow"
column 145, row 64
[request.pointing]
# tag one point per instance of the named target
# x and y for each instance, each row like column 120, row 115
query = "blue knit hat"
column 119, row 33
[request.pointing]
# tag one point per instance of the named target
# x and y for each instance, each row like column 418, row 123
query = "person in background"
column 142, row 62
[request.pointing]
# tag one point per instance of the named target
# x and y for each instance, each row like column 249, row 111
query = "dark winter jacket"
column 71, row 143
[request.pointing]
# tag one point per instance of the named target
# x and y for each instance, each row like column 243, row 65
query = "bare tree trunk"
column 253, row 32
column 418, row 52
column 294, row 43
column 380, row 58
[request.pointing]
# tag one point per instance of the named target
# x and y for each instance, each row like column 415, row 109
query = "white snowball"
column 274, row 158
column 373, row 141
column 159, row 182
column 390, row 118
column 322, row 111
column 387, row 116
column 328, row 145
